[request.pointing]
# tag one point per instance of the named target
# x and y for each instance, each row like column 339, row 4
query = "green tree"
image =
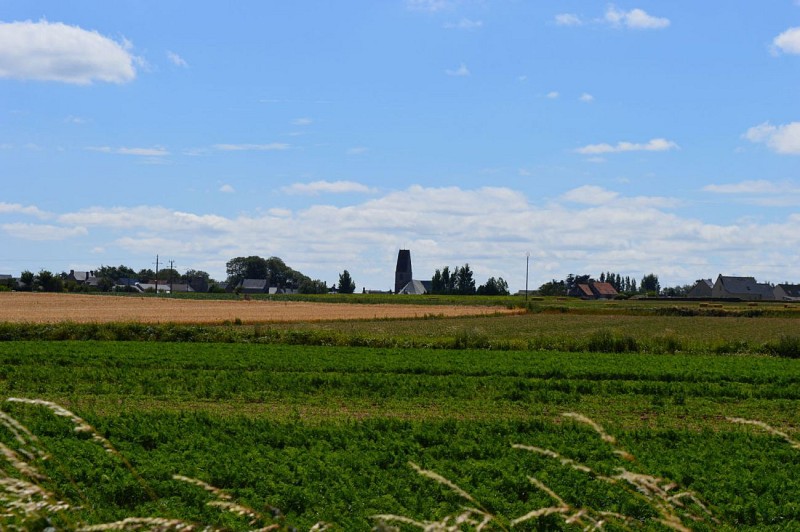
column 493, row 287
column 307, row 286
column 553, row 288
column 346, row 283
column 49, row 282
column 252, row 267
column 26, row 280
column 650, row 284
column 465, row 283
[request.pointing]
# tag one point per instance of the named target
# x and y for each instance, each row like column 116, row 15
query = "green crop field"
column 673, row 420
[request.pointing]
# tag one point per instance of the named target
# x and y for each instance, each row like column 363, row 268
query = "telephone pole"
column 527, row 260
column 156, row 274
column 171, row 265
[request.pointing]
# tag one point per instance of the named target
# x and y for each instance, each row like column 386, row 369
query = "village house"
column 746, row 288
column 787, row 292
column 702, row 288
column 594, row 290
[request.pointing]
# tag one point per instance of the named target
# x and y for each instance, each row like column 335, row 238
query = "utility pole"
column 171, row 264
column 156, row 274
column 527, row 260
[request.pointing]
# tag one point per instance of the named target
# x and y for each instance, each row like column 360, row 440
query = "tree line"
column 460, row 281
column 625, row 285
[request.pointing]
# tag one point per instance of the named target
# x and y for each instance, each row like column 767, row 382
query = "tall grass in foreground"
column 29, row 499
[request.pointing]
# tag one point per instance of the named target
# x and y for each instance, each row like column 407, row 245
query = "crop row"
column 343, row 473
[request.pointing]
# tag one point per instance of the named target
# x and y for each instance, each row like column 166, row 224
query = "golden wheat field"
column 26, row 307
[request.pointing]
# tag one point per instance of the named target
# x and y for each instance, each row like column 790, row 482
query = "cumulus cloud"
column 464, row 24
column 759, row 192
column 227, row 189
column 273, row 146
column 45, row 51
column 587, row 229
column 177, row 60
column 783, row 139
column 552, row 95
column 568, row 19
column 658, row 144
column 40, row 232
column 461, row 71
column 357, row 150
column 759, row 186
column 788, row 42
column 156, row 151
column 430, row 6
column 586, row 98
column 590, row 195
column 302, row 121
column 636, row 19
column 16, row 208
column 327, row 187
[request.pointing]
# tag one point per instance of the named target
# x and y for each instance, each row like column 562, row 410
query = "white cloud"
column 327, row 187
column 653, row 145
column 227, row 189
column 759, row 186
column 586, row 230
column 552, row 95
column 590, row 195
column 783, row 139
column 430, row 6
column 357, row 150
column 462, row 70
column 568, row 19
column 464, row 24
column 586, row 98
column 636, row 19
column 788, row 42
column 274, row 146
column 16, row 208
column 302, row 121
column 45, row 51
column 42, row 232
column 156, row 151
column 177, row 60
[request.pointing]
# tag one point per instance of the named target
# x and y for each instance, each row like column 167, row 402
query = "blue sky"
column 632, row 137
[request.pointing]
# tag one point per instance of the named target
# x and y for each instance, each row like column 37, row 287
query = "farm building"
column 727, row 287
column 701, row 288
column 594, row 290
column 416, row 287
column 787, row 292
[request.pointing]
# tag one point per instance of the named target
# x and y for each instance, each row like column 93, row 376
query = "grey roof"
column 791, row 290
column 254, row 285
column 746, row 285
column 414, row 287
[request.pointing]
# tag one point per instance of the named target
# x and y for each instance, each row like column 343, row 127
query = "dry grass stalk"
column 153, row 524
column 606, row 437
column 19, row 464
column 441, row 480
column 654, row 490
column 20, row 498
column 791, row 441
column 81, row 426
column 218, row 493
column 21, row 433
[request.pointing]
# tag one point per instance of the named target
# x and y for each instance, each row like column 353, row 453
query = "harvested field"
column 25, row 307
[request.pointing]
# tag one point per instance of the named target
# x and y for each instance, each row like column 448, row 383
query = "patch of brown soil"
column 26, row 307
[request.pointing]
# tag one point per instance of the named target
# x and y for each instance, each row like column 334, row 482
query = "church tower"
column 402, row 274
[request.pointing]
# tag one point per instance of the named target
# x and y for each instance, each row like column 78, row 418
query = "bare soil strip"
column 26, row 307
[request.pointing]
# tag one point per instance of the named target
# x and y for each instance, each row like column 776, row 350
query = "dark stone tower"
column 402, row 274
